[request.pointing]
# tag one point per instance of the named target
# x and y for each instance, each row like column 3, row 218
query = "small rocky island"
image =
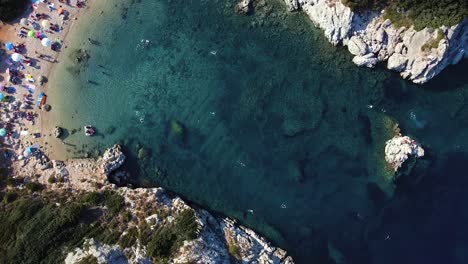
column 81, row 217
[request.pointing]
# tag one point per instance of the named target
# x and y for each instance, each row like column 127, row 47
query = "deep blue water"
column 262, row 113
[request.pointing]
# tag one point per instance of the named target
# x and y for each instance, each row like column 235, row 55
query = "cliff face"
column 417, row 55
column 144, row 211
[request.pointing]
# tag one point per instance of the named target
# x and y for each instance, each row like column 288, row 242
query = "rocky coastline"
column 218, row 240
column 373, row 39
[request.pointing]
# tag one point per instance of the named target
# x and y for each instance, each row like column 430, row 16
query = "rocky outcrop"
column 57, row 132
column 244, row 7
column 399, row 148
column 215, row 236
column 112, row 159
column 216, row 239
column 373, row 39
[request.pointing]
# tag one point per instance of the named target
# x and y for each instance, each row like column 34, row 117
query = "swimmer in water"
column 213, row 52
column 250, row 211
column 241, row 163
column 213, row 113
column 283, row 206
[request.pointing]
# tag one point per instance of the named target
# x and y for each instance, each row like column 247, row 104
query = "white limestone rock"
column 112, row 159
column 399, row 148
column 102, row 252
column 397, row 62
column 332, row 16
column 244, row 7
column 293, row 5
column 368, row 60
column 357, row 46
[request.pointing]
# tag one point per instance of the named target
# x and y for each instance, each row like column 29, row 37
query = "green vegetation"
column 113, row 201
column 89, row 260
column 420, row 13
column 169, row 238
column 40, row 229
column 11, row 9
column 433, row 43
column 234, row 251
column 33, row 186
column 92, row 198
column 35, row 232
column 51, row 179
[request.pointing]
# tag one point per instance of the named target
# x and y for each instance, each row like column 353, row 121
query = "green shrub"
column 129, row 239
column 10, row 181
column 433, row 43
column 36, row 232
column 420, row 13
column 33, row 186
column 234, row 250
column 88, row 260
column 168, row 239
column 162, row 243
column 51, row 179
column 113, row 201
column 9, row 197
column 186, row 226
column 92, row 198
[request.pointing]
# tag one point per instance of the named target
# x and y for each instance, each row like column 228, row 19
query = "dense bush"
column 420, row 13
column 113, row 201
column 10, row 9
column 169, row 238
column 35, row 232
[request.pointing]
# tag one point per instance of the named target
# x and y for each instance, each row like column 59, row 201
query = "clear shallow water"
column 275, row 120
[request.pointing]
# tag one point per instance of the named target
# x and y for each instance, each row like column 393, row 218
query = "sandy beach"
column 38, row 131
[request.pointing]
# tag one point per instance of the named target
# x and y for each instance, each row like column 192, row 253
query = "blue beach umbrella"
column 9, row 46
column 3, row 132
column 34, row 1
column 2, row 96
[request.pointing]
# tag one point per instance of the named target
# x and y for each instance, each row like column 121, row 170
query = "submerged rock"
column 112, row 159
column 399, row 148
column 143, row 152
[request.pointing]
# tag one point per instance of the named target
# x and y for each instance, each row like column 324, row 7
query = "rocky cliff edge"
column 417, row 55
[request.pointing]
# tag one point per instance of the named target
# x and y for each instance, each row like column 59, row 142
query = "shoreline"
column 41, row 67
column 84, row 174
column 372, row 39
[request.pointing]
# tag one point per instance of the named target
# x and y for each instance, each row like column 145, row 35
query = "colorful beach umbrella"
column 9, row 46
column 16, row 57
column 46, row 42
column 31, row 33
column 45, row 23
column 1, row 96
column 38, row 34
column 3, row 132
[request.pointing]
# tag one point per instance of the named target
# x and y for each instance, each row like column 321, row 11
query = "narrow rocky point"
column 373, row 39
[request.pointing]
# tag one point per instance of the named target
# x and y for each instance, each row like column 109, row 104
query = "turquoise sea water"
column 261, row 113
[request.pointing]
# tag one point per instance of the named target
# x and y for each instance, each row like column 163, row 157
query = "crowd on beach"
column 25, row 61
